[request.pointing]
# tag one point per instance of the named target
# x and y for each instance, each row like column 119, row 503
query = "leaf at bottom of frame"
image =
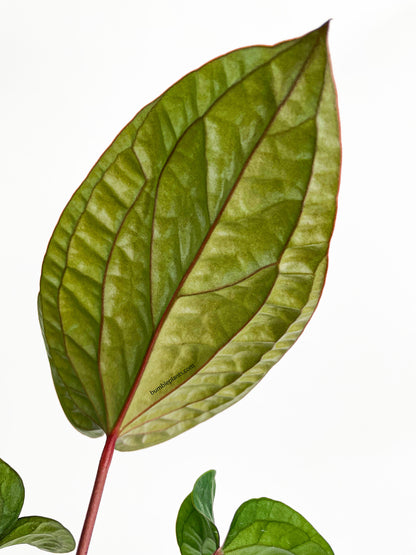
column 43, row 533
column 266, row 527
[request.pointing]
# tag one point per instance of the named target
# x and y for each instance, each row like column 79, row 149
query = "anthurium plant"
column 191, row 259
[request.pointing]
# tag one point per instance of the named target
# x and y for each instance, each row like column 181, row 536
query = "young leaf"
column 259, row 527
column 12, row 494
column 203, row 495
column 44, row 533
column 196, row 532
column 195, row 252
column 263, row 526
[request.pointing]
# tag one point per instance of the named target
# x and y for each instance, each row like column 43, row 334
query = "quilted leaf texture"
column 267, row 527
column 195, row 252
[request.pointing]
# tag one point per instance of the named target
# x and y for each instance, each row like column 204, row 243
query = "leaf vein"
column 174, row 297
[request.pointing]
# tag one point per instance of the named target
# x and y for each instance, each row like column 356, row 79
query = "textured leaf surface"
column 195, row 252
column 196, row 532
column 43, row 533
column 266, row 527
column 12, row 494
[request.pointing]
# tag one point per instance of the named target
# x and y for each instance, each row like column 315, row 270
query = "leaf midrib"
column 117, row 428
column 290, row 45
column 205, row 364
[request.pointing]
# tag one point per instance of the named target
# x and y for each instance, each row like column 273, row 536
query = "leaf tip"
column 324, row 28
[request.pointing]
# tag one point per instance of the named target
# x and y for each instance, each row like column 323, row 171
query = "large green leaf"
column 44, row 533
column 196, row 532
column 195, row 252
column 266, row 527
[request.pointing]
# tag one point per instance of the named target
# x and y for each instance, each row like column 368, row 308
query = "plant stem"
column 96, row 495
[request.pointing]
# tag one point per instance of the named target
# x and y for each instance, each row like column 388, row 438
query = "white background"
column 331, row 430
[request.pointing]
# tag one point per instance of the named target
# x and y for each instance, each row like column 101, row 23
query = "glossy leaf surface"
column 41, row 532
column 196, row 532
column 195, row 252
column 266, row 527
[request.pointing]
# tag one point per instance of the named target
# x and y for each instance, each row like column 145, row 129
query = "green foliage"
column 259, row 527
column 195, row 252
column 12, row 494
column 265, row 523
column 195, row 528
column 44, row 533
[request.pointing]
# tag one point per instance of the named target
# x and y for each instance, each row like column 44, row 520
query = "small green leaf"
column 203, row 495
column 44, row 533
column 12, row 494
column 196, row 532
column 194, row 253
column 266, row 527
